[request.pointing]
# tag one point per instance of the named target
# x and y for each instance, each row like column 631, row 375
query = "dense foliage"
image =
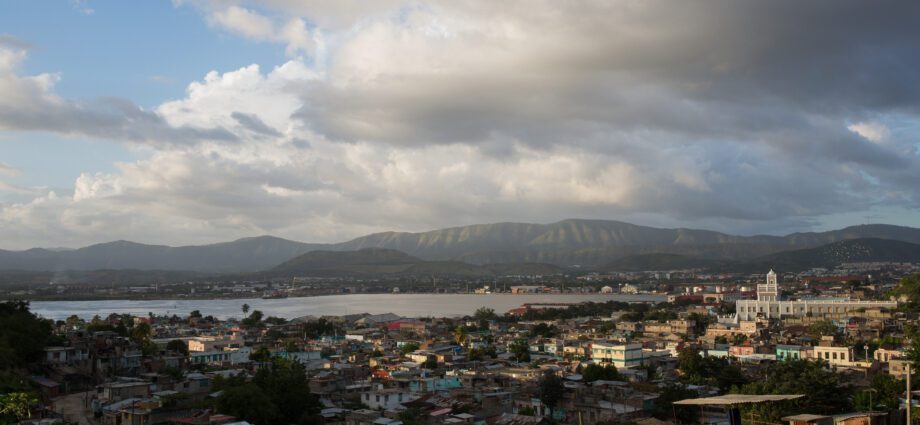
column 824, row 391
column 595, row 372
column 318, row 328
column 714, row 371
column 520, row 350
column 909, row 289
column 278, row 393
column 883, row 394
column 551, row 389
column 544, row 330
column 665, row 409
column 23, row 335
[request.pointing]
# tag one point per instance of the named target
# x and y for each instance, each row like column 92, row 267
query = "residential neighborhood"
column 606, row 362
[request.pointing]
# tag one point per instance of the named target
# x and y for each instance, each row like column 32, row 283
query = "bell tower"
column 770, row 290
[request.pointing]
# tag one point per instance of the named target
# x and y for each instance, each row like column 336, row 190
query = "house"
column 116, row 391
column 386, row 399
column 65, row 355
column 792, row 352
column 884, row 355
column 837, row 356
column 623, row 355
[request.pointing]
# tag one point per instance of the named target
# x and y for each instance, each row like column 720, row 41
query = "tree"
column 261, row 355
column 594, row 372
column 825, row 393
column 699, row 370
column 177, row 346
column 141, row 333
column 23, row 335
column 886, row 391
column 701, row 322
column 822, row 328
column 245, row 309
column 277, row 321
column 195, row 314
column 408, row 348
column 18, row 405
column 551, row 389
column 318, row 328
column 912, row 353
column 286, row 384
column 908, row 289
column 460, row 335
column 74, row 321
column 249, row 402
column 485, row 313
column 520, row 350
column 544, row 330
column 254, row 319
column 665, row 409
column 277, row 394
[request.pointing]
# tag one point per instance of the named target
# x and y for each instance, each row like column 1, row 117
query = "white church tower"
column 770, row 290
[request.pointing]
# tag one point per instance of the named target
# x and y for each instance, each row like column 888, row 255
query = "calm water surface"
column 408, row 305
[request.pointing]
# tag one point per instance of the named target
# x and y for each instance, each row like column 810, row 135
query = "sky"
column 199, row 121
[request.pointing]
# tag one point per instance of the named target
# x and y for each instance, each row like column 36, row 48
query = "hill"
column 371, row 262
column 248, row 254
column 834, row 254
column 826, row 256
column 590, row 243
column 596, row 242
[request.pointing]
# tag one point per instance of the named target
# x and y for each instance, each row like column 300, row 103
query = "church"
column 771, row 305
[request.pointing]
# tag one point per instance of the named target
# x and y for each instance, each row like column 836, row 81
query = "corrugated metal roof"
column 729, row 399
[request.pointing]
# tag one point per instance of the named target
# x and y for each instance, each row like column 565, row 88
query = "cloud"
column 415, row 115
column 255, row 26
column 81, row 6
column 9, row 170
column 871, row 131
column 29, row 103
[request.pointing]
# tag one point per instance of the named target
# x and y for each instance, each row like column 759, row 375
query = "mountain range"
column 587, row 243
column 824, row 256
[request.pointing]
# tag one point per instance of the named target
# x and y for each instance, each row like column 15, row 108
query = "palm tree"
column 245, row 309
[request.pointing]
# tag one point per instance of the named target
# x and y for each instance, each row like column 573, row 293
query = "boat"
column 273, row 295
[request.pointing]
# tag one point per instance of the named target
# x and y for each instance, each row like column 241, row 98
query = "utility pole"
column 909, row 397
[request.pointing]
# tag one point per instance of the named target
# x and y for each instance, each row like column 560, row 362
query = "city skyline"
column 193, row 122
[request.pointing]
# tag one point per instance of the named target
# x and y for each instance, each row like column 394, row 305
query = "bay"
column 407, row 305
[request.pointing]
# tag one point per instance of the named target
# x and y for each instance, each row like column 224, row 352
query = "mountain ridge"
column 825, row 256
column 564, row 243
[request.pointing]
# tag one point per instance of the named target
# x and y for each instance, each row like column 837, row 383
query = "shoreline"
column 204, row 298
column 403, row 304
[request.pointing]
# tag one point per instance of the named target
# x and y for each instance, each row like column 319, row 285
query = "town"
column 711, row 353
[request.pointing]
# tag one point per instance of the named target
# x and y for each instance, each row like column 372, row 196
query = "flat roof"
column 729, row 399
